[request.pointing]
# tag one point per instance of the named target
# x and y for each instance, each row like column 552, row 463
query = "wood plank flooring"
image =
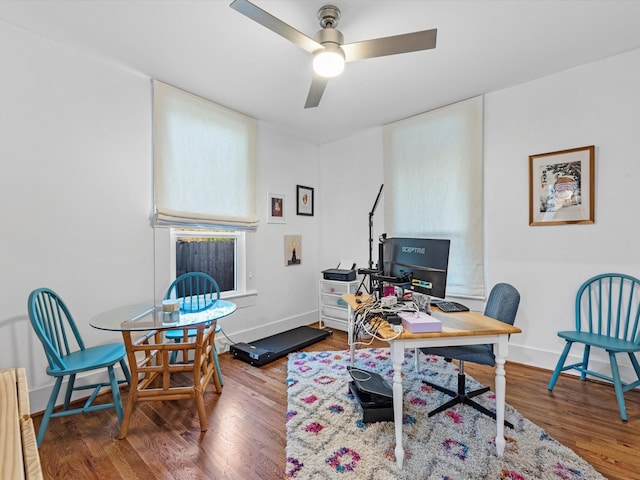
column 246, row 435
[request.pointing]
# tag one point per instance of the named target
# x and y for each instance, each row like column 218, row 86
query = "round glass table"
column 143, row 317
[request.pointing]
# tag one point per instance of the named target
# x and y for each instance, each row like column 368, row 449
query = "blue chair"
column 502, row 305
column 68, row 356
column 197, row 291
column 607, row 316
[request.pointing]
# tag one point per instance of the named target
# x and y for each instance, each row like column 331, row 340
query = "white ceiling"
column 211, row 50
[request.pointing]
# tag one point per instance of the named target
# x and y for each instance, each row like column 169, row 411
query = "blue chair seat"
column 481, row 354
column 100, row 356
column 177, row 335
column 601, row 341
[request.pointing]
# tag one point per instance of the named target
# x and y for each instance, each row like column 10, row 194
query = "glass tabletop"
column 143, row 317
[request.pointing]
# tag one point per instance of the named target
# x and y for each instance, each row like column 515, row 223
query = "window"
column 204, row 170
column 216, row 253
column 433, row 187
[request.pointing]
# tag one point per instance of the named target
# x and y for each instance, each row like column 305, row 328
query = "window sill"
column 243, row 299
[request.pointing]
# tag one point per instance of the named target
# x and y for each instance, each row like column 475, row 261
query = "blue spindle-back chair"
column 68, row 356
column 197, row 291
column 607, row 316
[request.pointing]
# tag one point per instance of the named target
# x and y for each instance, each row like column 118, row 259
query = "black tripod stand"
column 371, row 272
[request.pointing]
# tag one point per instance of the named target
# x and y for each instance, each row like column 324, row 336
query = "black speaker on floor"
column 373, row 394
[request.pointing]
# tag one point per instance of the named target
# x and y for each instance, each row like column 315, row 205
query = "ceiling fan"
column 327, row 48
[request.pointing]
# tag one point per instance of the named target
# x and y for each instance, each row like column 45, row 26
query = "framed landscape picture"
column 561, row 187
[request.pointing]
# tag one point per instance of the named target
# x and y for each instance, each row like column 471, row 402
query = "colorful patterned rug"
column 327, row 439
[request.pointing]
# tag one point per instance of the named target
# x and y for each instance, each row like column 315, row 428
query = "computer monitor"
column 419, row 264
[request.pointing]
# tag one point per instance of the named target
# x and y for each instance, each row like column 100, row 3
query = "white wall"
column 287, row 295
column 76, row 190
column 596, row 104
column 75, row 147
column 351, row 175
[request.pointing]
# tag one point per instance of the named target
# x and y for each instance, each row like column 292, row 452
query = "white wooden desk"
column 465, row 328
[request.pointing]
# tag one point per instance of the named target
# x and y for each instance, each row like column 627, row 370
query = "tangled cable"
column 370, row 315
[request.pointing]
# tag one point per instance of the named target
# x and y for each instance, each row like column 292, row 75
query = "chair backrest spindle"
column 609, row 305
column 196, row 289
column 54, row 326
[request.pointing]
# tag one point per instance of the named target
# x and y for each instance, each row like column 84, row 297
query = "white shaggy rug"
column 327, row 439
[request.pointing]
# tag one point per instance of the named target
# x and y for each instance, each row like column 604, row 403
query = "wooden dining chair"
column 196, row 291
column 152, row 372
column 607, row 316
column 67, row 356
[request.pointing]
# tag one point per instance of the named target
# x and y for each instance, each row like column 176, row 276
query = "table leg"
column 133, row 385
column 501, row 383
column 397, row 357
column 198, row 384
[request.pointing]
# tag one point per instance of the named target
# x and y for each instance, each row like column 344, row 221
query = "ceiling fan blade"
column 276, row 25
column 379, row 47
column 318, row 84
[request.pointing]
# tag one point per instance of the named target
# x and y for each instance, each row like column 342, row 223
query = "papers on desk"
column 420, row 322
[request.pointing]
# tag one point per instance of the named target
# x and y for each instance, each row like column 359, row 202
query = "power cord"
column 372, row 314
column 231, row 342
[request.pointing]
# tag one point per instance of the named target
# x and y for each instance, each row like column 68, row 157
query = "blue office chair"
column 502, row 305
column 197, row 291
column 607, row 316
column 68, row 356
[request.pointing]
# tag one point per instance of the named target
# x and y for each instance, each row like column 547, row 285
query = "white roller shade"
column 204, row 162
column 433, row 187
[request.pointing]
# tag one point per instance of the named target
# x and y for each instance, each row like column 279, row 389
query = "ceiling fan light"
column 329, row 62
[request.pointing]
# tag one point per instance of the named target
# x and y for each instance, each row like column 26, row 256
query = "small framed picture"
column 275, row 208
column 561, row 187
column 292, row 250
column 304, row 201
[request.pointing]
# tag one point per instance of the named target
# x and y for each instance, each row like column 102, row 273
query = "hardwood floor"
column 246, row 435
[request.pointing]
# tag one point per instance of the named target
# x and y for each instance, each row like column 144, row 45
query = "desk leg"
column 350, row 339
column 397, row 357
column 501, row 383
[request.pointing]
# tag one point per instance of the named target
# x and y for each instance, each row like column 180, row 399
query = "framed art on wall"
column 561, row 187
column 292, row 250
column 304, row 201
column 275, row 208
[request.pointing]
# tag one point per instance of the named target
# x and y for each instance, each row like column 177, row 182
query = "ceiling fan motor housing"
column 329, row 16
column 330, row 35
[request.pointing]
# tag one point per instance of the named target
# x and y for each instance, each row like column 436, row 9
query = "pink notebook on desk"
column 420, row 322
